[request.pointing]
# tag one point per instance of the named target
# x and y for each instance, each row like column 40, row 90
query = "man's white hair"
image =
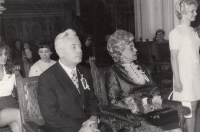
column 62, row 37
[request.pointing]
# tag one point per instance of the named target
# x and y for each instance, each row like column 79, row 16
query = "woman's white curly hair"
column 116, row 44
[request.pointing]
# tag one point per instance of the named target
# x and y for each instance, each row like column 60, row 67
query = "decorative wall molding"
column 36, row 1
column 29, row 27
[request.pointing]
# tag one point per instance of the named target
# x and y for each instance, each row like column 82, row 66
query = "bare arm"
column 175, row 69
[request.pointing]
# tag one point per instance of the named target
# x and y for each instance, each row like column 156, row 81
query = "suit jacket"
column 61, row 105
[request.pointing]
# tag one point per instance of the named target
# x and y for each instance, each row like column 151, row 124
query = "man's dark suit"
column 61, row 105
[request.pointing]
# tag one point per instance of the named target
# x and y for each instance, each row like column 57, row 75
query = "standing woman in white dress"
column 184, row 47
column 44, row 63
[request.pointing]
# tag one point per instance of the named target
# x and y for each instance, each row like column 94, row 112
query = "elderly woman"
column 129, row 84
column 9, row 112
column 44, row 63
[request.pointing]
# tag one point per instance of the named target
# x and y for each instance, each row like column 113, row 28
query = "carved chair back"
column 29, row 108
column 98, row 75
column 163, row 51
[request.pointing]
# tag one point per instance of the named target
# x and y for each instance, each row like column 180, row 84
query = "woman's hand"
column 147, row 108
column 157, row 99
column 178, row 86
column 155, row 106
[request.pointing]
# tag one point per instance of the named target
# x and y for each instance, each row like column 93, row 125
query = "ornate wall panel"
column 30, row 27
column 35, row 31
column 12, row 30
column 57, row 25
column 11, row 34
column 35, row 1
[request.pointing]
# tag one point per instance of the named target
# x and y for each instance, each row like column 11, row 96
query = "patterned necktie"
column 75, row 80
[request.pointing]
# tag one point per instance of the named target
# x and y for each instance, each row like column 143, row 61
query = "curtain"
column 151, row 15
column 1, row 7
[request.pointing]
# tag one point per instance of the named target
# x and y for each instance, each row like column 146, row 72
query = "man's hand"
column 95, row 119
column 89, row 126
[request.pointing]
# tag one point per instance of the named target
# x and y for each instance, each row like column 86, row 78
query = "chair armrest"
column 31, row 126
column 111, row 124
column 124, row 115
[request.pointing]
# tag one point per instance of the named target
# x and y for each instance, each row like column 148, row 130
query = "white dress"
column 186, row 40
column 39, row 67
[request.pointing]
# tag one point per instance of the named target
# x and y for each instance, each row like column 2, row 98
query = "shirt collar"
column 67, row 69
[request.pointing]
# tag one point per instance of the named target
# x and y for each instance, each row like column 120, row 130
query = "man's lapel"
column 65, row 80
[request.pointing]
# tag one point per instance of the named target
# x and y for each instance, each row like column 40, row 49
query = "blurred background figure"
column 44, row 63
column 158, row 39
column 17, row 56
column 27, row 58
column 102, row 57
column 87, row 49
column 27, row 52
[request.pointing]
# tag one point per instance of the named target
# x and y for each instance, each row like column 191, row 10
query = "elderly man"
column 65, row 93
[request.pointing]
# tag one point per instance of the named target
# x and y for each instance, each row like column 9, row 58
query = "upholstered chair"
column 119, row 119
column 32, row 119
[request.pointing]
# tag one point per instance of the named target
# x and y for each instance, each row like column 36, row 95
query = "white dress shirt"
column 7, row 84
column 67, row 69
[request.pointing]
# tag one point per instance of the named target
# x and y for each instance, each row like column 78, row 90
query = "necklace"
column 140, row 72
column 136, row 74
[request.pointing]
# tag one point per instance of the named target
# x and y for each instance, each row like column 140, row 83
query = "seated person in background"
column 158, row 39
column 9, row 109
column 44, row 63
column 17, row 58
column 27, row 58
column 87, row 50
column 65, row 94
column 127, row 80
column 27, row 52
